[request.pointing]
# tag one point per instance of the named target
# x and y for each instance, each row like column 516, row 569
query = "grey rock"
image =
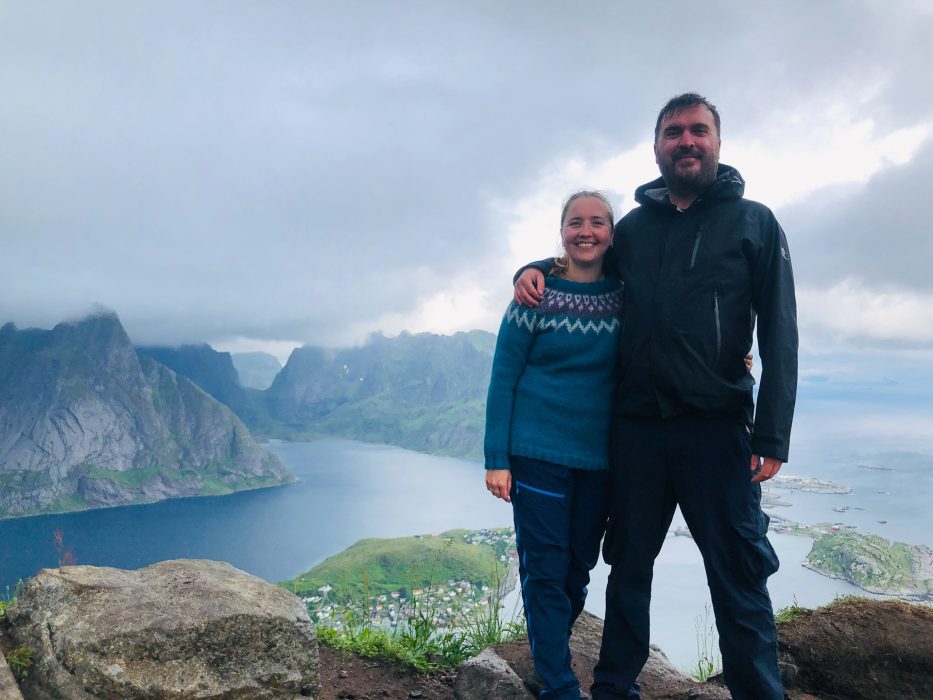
column 658, row 671
column 85, row 422
column 489, row 677
column 177, row 629
column 8, row 688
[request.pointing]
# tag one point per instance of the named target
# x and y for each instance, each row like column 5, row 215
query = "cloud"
column 306, row 172
column 847, row 312
column 876, row 234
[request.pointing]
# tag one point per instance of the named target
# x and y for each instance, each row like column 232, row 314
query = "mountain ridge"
column 87, row 422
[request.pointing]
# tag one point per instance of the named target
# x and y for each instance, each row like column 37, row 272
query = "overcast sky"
column 264, row 174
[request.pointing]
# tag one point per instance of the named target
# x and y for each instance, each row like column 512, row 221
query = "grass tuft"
column 790, row 613
column 19, row 660
column 708, row 660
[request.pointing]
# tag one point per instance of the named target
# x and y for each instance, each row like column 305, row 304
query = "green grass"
column 848, row 599
column 9, row 597
column 380, row 566
column 19, row 660
column 790, row 613
column 132, row 478
column 709, row 661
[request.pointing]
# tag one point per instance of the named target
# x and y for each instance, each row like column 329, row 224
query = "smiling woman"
column 547, row 430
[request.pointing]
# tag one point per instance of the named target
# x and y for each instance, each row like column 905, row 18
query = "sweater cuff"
column 497, row 460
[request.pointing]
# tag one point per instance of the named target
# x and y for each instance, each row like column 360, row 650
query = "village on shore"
column 447, row 604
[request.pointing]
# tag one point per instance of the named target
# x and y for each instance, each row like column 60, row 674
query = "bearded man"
column 701, row 267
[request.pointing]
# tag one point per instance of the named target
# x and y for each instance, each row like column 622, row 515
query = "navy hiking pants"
column 702, row 465
column 560, row 518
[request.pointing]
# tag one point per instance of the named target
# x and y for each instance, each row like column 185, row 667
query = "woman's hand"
column 529, row 287
column 499, row 483
column 749, row 362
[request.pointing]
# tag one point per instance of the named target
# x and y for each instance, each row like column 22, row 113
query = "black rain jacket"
column 694, row 283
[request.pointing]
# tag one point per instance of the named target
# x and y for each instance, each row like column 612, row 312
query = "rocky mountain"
column 211, row 370
column 425, row 392
column 257, row 370
column 86, row 422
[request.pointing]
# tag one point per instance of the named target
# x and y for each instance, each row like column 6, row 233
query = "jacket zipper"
column 696, row 247
column 718, row 324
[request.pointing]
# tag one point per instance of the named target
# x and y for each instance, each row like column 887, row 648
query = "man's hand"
column 529, row 287
column 499, row 483
column 765, row 468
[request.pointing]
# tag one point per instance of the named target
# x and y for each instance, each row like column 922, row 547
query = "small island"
column 874, row 564
column 809, row 485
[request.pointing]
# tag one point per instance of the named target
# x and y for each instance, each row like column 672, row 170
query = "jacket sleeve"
column 774, row 302
column 516, row 337
column 543, row 265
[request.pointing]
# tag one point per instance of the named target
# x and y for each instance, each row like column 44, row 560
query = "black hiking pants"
column 703, row 466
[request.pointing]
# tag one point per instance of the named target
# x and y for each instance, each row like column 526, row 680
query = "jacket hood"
column 728, row 184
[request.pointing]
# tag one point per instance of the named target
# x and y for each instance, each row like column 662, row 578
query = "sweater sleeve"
column 516, row 337
column 775, row 304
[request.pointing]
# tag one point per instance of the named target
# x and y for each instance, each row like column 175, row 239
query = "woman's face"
column 586, row 232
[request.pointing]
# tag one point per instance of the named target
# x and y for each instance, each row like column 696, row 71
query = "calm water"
column 348, row 491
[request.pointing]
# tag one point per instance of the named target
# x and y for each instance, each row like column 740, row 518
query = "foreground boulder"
column 859, row 648
column 177, row 629
column 488, row 677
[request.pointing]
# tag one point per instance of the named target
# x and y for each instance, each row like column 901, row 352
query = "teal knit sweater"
column 553, row 377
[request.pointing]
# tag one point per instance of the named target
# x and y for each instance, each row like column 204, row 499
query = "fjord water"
column 349, row 490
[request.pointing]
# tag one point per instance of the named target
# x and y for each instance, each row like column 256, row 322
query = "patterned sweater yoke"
column 571, row 311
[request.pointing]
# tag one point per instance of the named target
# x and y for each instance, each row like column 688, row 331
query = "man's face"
column 687, row 150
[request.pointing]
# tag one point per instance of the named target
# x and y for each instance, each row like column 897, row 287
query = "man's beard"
column 694, row 182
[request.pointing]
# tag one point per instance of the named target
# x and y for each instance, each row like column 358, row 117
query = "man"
column 700, row 265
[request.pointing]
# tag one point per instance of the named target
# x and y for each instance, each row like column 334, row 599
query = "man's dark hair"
column 688, row 100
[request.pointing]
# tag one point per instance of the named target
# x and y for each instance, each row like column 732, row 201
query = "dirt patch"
column 352, row 677
column 858, row 648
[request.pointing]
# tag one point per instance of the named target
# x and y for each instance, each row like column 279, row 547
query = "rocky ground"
column 348, row 676
column 185, row 629
column 855, row 649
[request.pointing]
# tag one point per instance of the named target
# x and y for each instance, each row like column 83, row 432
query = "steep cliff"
column 85, row 422
column 212, row 371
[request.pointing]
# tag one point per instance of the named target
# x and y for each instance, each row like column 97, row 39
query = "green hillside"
column 378, row 566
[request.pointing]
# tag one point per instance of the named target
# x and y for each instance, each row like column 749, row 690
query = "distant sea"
column 350, row 490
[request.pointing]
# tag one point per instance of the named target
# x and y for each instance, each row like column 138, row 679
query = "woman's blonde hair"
column 561, row 263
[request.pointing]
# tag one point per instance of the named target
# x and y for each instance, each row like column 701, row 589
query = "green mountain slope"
column 377, row 566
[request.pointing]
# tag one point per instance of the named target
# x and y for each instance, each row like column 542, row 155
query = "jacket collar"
column 728, row 184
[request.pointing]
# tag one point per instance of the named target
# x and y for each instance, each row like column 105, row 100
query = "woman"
column 547, row 431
